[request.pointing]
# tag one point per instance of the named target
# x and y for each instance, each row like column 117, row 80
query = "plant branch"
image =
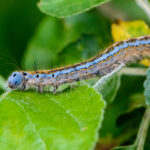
column 145, row 5
column 133, row 71
column 141, row 137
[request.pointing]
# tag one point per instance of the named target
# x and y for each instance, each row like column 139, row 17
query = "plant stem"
column 133, row 71
column 145, row 5
column 141, row 137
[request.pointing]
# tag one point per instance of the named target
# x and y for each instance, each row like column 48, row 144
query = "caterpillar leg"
column 71, row 86
column 40, row 89
column 55, row 89
column 23, row 87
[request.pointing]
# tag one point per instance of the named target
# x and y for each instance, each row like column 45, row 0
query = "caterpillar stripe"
column 120, row 53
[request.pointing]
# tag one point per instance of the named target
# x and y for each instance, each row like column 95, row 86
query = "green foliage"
column 43, row 48
column 47, row 121
column 141, row 136
column 121, row 106
column 18, row 22
column 147, row 87
column 68, row 41
column 112, row 85
column 131, row 147
column 66, row 8
column 74, row 118
column 2, row 85
column 130, row 9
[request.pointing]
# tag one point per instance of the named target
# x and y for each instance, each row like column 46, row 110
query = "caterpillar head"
column 15, row 80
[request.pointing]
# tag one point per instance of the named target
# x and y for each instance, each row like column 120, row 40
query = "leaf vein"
column 67, row 112
column 29, row 119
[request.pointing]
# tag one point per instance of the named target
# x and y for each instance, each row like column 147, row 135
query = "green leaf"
column 109, row 87
column 18, row 22
column 85, row 47
column 42, row 49
column 147, row 87
column 137, row 101
column 117, row 122
column 2, row 85
column 142, row 133
column 68, row 120
column 92, row 23
column 65, row 8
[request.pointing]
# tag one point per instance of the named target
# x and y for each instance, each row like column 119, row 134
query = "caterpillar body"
column 120, row 53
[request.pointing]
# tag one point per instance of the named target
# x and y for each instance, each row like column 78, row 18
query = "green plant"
column 112, row 115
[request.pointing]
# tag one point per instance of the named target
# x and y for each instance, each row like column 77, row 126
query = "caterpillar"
column 120, row 53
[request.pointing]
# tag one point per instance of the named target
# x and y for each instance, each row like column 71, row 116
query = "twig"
column 133, row 71
column 141, row 137
column 145, row 5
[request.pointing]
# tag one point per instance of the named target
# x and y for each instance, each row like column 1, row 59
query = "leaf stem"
column 133, row 71
column 145, row 5
column 141, row 136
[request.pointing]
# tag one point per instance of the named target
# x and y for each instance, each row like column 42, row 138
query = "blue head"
column 15, row 80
